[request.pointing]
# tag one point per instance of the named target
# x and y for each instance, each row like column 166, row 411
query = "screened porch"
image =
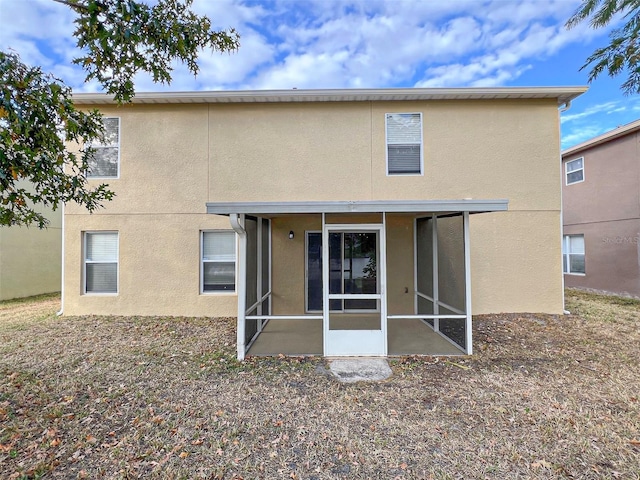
column 397, row 279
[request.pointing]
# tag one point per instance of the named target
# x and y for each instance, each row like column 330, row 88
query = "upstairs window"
column 404, row 143
column 106, row 159
column 573, row 254
column 218, row 271
column 574, row 171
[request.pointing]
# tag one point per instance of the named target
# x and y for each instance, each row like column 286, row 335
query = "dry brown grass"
column 112, row 397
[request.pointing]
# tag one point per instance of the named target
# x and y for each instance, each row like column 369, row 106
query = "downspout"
column 563, row 109
column 61, row 311
column 234, row 219
column 238, row 227
column 566, row 106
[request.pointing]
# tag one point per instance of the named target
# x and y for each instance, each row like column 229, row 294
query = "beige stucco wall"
column 516, row 262
column 30, row 258
column 288, row 268
column 30, row 261
column 472, row 149
column 175, row 158
column 158, row 271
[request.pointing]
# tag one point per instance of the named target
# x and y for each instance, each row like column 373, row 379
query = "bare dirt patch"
column 112, row 397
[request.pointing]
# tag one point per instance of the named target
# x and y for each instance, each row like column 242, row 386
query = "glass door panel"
column 360, row 269
column 360, row 327
column 314, row 270
column 335, row 269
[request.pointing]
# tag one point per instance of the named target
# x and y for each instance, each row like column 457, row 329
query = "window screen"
column 101, row 262
column 575, row 171
column 104, row 163
column 573, row 253
column 218, row 261
column 404, row 143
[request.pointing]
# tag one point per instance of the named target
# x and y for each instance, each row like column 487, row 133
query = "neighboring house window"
column 404, row 143
column 573, row 254
column 101, row 262
column 106, row 159
column 218, row 272
column 575, row 171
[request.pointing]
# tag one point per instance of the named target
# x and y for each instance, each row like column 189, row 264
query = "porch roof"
column 359, row 206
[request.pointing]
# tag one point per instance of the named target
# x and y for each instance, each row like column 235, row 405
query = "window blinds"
column 404, row 143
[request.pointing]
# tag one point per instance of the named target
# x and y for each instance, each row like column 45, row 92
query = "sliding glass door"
column 352, row 270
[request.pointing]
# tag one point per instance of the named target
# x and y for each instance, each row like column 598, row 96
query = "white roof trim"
column 605, row 137
column 365, row 206
column 563, row 95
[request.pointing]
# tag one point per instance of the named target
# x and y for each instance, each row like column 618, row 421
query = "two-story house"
column 335, row 222
column 601, row 212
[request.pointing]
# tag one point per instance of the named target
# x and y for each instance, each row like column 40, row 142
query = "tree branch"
column 75, row 4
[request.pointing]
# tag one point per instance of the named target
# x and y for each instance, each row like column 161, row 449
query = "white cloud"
column 608, row 107
column 338, row 43
column 235, row 68
column 597, row 119
column 36, row 22
column 581, row 135
column 355, row 43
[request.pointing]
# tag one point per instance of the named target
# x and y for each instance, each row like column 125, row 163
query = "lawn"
column 122, row 397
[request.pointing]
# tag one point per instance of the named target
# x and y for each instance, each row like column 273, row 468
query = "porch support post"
column 467, row 283
column 237, row 223
column 436, row 273
column 259, row 253
column 383, row 282
column 325, row 286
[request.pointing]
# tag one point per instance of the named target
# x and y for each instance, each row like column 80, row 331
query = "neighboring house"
column 335, row 222
column 30, row 258
column 601, row 212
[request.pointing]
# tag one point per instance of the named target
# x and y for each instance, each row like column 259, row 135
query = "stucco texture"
column 176, row 158
column 612, row 257
column 30, row 258
column 158, row 271
column 605, row 208
column 30, row 261
column 288, row 268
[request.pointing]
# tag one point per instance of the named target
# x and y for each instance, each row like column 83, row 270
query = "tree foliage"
column 123, row 37
column 623, row 52
column 117, row 39
column 37, row 117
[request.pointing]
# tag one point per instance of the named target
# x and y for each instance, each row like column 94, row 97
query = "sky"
column 365, row 44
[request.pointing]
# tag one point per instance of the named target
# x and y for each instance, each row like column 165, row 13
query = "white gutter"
column 561, row 94
column 61, row 311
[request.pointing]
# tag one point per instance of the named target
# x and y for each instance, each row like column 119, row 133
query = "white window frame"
column 85, row 235
column 566, row 254
column 386, row 146
column 202, row 262
column 98, row 146
column 567, row 172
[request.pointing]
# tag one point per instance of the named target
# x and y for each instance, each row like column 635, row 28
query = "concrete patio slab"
column 351, row 370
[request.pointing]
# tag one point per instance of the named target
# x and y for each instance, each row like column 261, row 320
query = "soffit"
column 563, row 95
